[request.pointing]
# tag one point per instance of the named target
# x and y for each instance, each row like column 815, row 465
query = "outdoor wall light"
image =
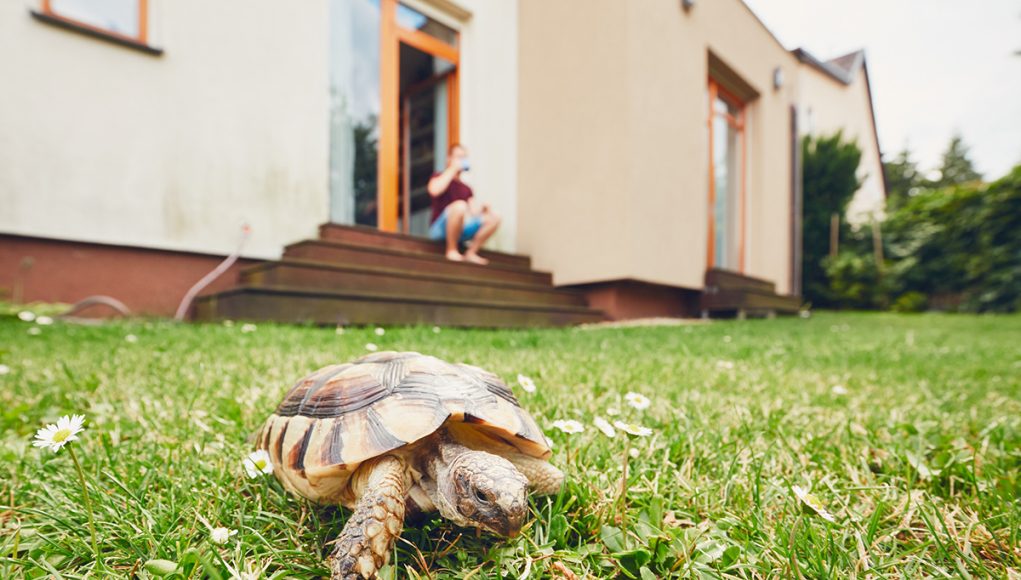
column 777, row 78
column 688, row 4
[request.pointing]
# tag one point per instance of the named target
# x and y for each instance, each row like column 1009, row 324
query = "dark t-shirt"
column 457, row 190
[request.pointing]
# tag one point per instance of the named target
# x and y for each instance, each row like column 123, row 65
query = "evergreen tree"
column 956, row 167
column 902, row 179
column 830, row 179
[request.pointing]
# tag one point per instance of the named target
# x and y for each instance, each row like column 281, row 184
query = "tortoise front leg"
column 369, row 534
column 543, row 477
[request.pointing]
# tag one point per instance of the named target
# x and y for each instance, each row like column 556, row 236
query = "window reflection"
column 354, row 110
column 120, row 16
column 414, row 20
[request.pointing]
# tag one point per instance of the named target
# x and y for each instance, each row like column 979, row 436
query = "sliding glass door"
column 726, row 180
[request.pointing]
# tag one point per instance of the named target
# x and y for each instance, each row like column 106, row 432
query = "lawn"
column 905, row 431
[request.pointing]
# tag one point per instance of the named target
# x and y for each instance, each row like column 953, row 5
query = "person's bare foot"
column 474, row 258
column 454, row 256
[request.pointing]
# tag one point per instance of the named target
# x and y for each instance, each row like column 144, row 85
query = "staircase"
column 729, row 292
column 360, row 275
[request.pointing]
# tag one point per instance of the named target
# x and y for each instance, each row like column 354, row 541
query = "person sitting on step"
column 457, row 216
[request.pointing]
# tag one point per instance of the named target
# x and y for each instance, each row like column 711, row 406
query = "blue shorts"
column 438, row 230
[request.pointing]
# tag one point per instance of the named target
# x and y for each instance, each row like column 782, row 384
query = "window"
column 125, row 21
column 726, row 179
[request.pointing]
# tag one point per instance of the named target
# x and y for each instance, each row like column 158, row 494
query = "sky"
column 936, row 67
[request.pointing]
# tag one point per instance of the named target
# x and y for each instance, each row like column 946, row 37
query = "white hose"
column 182, row 310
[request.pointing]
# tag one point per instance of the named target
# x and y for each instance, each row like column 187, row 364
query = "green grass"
column 919, row 462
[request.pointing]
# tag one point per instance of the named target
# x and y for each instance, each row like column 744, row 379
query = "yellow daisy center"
column 61, row 435
column 260, row 464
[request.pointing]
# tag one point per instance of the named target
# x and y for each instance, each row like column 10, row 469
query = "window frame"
column 140, row 41
column 739, row 124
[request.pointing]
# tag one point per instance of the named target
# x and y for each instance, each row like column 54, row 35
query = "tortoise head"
column 485, row 491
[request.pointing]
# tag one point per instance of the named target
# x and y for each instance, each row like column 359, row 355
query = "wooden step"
column 724, row 280
column 298, row 305
column 342, row 253
column 749, row 301
column 418, row 284
column 371, row 237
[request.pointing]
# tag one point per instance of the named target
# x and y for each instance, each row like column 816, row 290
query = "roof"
column 842, row 69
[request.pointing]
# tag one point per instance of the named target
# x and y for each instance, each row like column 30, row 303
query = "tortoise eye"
column 480, row 496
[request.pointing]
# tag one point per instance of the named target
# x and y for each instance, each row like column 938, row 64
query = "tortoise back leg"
column 369, row 534
column 543, row 477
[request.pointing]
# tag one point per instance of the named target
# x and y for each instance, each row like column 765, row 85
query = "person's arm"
column 439, row 183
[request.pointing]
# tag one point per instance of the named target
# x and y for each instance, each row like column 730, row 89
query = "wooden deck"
column 359, row 275
column 731, row 293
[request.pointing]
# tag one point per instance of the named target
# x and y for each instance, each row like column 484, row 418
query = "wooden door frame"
column 391, row 37
column 740, row 123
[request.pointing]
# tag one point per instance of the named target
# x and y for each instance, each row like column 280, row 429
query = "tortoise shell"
column 342, row 415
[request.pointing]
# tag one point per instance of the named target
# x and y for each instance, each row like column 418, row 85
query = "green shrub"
column 910, row 302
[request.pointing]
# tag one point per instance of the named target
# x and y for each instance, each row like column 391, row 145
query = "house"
column 643, row 155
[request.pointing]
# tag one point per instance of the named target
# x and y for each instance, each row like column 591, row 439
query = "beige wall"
column 613, row 176
column 826, row 106
column 106, row 144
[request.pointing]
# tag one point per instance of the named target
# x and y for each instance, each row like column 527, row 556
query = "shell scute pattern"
column 342, row 415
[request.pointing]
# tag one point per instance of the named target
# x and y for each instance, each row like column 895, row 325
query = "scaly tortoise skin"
column 394, row 430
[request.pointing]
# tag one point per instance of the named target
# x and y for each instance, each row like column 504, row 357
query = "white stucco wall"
column 102, row 143
column 489, row 108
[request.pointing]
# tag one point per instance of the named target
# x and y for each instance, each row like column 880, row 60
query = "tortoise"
column 400, row 431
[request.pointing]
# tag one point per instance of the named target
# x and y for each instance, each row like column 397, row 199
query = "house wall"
column 102, row 143
column 613, row 145
column 826, row 106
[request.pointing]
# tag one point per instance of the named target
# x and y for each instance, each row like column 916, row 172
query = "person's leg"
column 490, row 223
column 455, row 224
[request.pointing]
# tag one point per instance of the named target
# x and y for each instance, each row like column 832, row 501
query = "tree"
column 829, row 181
column 956, row 167
column 903, row 179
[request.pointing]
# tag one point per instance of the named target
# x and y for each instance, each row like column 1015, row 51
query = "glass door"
column 393, row 111
column 425, row 133
column 726, row 180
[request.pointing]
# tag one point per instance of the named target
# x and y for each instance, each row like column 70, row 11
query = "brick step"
column 365, row 236
column 342, row 253
column 749, row 301
column 298, row 305
column 724, row 280
column 409, row 283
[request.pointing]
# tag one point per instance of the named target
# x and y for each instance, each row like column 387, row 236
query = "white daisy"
column 26, row 315
column 436, row 330
column 526, row 383
column 228, row 323
column 634, row 453
column 612, row 411
column 725, row 365
column 813, row 503
column 839, row 390
column 4, row 369
column 56, row 436
column 380, row 331
column 258, row 463
column 248, row 328
column 43, row 320
column 727, row 338
column 371, row 347
column 604, row 426
column 638, row 401
column 35, row 331
column 632, row 429
column 569, row 426
column 131, row 338
column 220, row 535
